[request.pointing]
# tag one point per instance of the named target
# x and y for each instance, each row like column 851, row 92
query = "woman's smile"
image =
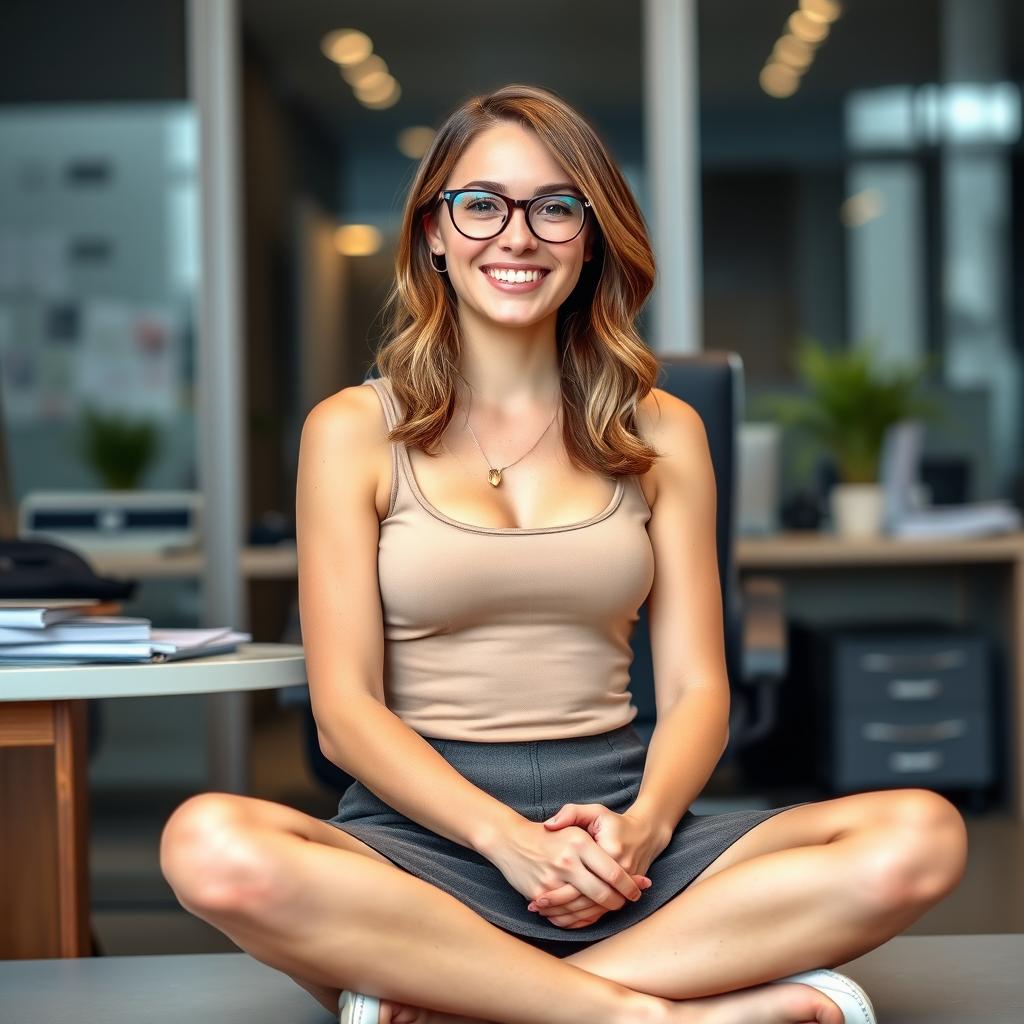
column 513, row 279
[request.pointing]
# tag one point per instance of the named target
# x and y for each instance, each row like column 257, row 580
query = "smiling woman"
column 528, row 222
column 467, row 607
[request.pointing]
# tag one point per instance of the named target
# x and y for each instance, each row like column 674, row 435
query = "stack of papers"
column 58, row 633
column 979, row 519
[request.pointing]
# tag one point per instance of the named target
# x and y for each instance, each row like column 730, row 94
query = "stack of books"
column 69, row 631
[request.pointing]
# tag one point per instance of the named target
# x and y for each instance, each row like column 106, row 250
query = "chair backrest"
column 711, row 382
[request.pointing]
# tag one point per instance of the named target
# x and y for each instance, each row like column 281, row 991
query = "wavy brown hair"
column 608, row 369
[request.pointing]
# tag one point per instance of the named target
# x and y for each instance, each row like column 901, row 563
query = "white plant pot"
column 857, row 509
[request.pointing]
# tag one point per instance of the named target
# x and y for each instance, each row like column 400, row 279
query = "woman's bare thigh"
column 253, row 811
column 811, row 824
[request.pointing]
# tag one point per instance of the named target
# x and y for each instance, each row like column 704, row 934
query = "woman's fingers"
column 609, row 884
column 557, row 897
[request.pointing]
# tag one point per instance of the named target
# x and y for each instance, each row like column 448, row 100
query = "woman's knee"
column 209, row 856
column 920, row 852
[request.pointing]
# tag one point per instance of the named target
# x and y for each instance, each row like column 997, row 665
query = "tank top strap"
column 399, row 486
column 387, row 399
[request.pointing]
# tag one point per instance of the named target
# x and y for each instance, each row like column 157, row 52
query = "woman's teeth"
column 515, row 276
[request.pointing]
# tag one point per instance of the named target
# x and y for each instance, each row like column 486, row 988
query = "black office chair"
column 755, row 635
column 754, row 626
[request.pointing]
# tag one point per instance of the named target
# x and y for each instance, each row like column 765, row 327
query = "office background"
column 879, row 200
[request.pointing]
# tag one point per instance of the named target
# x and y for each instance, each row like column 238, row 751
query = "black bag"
column 33, row 568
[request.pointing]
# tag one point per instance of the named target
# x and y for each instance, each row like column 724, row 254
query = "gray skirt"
column 536, row 778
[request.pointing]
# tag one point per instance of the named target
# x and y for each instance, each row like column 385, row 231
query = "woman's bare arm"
column 685, row 617
column 342, row 448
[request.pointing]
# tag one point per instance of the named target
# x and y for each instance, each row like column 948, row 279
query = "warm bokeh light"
column 357, row 240
column 414, row 142
column 375, row 89
column 346, row 46
column 792, row 51
column 862, row 207
column 375, row 81
column 778, row 80
column 821, row 10
column 807, row 29
column 384, row 101
column 357, row 73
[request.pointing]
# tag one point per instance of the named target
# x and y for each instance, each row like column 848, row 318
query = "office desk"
column 44, row 826
column 817, row 552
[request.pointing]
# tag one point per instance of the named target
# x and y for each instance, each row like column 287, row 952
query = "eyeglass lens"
column 483, row 214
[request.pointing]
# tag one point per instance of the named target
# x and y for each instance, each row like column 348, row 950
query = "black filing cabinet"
column 905, row 706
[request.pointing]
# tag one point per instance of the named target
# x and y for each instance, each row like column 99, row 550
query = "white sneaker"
column 843, row 991
column 355, row 1008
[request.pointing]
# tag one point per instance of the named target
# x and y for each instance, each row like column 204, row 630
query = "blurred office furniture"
column 759, row 478
column 119, row 520
column 906, row 514
column 816, row 556
column 911, row 979
column 906, row 705
column 43, row 779
column 886, row 705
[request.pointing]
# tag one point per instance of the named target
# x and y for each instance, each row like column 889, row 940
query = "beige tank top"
column 498, row 634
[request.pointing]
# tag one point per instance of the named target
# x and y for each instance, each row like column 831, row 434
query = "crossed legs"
column 810, row 887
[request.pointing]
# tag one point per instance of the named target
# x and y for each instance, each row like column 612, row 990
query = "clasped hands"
column 588, row 860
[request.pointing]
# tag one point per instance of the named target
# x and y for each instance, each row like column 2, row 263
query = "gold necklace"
column 494, row 473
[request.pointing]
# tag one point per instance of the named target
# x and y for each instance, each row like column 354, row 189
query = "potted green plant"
column 850, row 405
column 119, row 448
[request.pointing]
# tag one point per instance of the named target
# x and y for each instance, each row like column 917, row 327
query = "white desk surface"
column 251, row 667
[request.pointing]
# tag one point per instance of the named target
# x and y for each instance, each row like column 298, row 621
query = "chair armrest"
column 764, row 663
column 765, row 649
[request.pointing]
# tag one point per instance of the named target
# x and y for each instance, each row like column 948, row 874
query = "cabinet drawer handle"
column 915, row 761
column 887, row 732
column 881, row 662
column 914, row 689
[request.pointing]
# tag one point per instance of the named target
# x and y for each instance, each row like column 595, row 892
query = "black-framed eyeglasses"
column 480, row 214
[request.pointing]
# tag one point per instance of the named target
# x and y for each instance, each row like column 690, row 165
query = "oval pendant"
column 494, row 477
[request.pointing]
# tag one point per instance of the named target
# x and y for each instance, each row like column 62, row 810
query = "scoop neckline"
column 437, row 513
column 410, row 475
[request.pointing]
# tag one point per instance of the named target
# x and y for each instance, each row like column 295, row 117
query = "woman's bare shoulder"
column 664, row 419
column 352, row 416
column 348, row 430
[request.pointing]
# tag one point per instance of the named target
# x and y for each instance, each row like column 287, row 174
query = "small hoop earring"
column 440, row 270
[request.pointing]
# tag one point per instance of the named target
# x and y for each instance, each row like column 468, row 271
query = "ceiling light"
column 372, row 65
column 778, row 80
column 375, row 80
column 383, row 102
column 357, row 240
column 807, row 29
column 790, row 50
column 346, row 46
column 821, row 10
column 415, row 141
column 376, row 89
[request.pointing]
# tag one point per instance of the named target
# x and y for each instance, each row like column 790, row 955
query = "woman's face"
column 513, row 158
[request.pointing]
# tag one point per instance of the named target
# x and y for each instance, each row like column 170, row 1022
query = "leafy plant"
column 851, row 404
column 118, row 447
